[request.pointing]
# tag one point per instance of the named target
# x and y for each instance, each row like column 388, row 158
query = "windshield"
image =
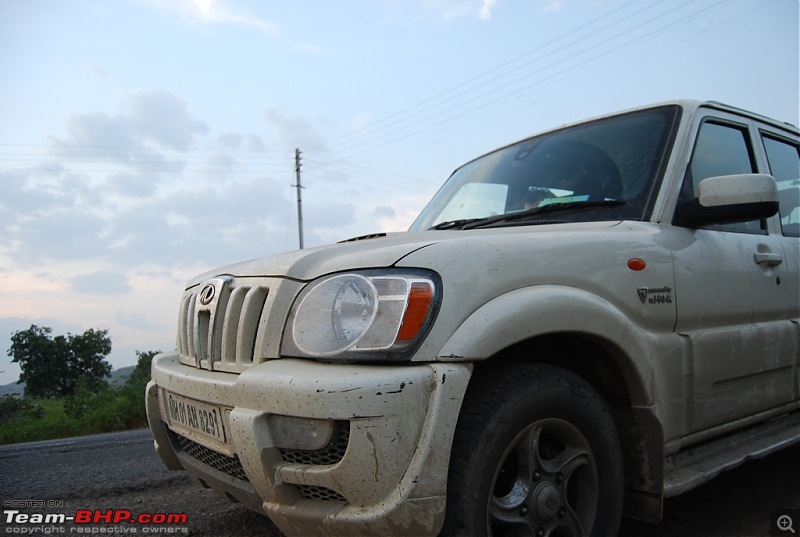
column 602, row 170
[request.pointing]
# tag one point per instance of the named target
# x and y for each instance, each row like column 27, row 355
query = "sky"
column 145, row 141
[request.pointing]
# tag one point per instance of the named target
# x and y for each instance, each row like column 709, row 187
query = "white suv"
column 577, row 326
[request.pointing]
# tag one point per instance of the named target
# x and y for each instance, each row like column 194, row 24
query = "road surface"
column 121, row 471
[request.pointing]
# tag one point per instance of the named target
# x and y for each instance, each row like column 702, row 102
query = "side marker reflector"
column 637, row 264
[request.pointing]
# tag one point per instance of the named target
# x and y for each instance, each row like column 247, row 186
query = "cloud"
column 101, row 282
column 17, row 199
column 486, row 9
column 383, row 211
column 293, row 132
column 218, row 165
column 152, row 124
column 47, row 219
column 146, row 201
column 213, row 11
column 49, row 167
column 329, row 215
column 452, row 9
column 235, row 140
column 163, row 118
column 230, row 140
column 137, row 321
column 361, row 122
column 97, row 130
column 255, row 144
column 95, row 70
column 554, row 6
column 131, row 185
column 61, row 234
column 200, row 225
column 131, row 220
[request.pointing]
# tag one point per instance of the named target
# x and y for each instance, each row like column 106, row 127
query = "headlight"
column 377, row 315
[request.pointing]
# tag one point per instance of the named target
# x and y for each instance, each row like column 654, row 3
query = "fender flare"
column 539, row 310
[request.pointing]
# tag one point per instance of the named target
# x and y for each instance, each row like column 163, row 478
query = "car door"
column 783, row 159
column 731, row 297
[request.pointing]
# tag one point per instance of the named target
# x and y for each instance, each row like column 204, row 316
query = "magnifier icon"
column 785, row 523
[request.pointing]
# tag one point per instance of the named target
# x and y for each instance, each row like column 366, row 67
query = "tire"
column 536, row 454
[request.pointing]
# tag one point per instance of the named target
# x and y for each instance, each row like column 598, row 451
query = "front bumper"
column 389, row 472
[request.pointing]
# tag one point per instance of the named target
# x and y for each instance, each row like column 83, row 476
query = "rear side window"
column 784, row 165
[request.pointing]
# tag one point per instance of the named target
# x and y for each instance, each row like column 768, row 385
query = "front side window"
column 602, row 170
column 721, row 150
column 784, row 165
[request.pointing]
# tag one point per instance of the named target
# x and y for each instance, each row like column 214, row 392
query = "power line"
column 504, row 69
column 458, row 111
column 129, row 147
column 459, row 104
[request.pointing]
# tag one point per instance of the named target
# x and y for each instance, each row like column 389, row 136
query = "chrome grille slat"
column 183, row 345
column 187, row 323
column 218, row 315
column 220, row 332
column 230, row 328
column 249, row 322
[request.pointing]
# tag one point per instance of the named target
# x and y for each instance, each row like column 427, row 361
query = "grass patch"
column 53, row 424
column 87, row 411
column 117, row 411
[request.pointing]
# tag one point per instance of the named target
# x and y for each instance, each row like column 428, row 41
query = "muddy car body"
column 576, row 327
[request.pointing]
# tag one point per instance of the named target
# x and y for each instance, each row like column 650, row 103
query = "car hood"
column 372, row 251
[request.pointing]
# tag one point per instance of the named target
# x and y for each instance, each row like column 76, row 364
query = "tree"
column 52, row 366
column 123, row 407
column 141, row 373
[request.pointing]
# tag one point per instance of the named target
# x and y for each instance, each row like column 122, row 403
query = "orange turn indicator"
column 419, row 301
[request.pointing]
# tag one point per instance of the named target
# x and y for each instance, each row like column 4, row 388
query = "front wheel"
column 535, row 453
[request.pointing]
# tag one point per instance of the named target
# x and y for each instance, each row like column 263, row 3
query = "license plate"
column 195, row 417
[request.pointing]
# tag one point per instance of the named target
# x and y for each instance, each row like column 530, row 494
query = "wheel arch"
column 584, row 334
column 599, row 363
column 545, row 312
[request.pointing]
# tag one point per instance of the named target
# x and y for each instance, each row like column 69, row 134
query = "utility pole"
column 299, row 197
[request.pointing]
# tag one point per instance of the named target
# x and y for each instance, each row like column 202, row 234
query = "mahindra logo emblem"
column 207, row 294
column 642, row 291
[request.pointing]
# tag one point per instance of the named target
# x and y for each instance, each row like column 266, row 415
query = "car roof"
column 689, row 106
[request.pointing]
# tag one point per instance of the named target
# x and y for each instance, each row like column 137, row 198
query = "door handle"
column 768, row 259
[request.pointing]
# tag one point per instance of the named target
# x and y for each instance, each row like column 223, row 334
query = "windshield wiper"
column 473, row 223
column 450, row 224
column 535, row 211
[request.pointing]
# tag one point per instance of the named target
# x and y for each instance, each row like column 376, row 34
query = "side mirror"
column 729, row 199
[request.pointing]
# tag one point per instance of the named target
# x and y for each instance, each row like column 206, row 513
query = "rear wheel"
column 535, row 453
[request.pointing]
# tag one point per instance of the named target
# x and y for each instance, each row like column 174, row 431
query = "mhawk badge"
column 656, row 295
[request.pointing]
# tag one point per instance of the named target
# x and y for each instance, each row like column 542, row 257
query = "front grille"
column 219, row 324
column 309, row 492
column 219, row 461
column 330, row 454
